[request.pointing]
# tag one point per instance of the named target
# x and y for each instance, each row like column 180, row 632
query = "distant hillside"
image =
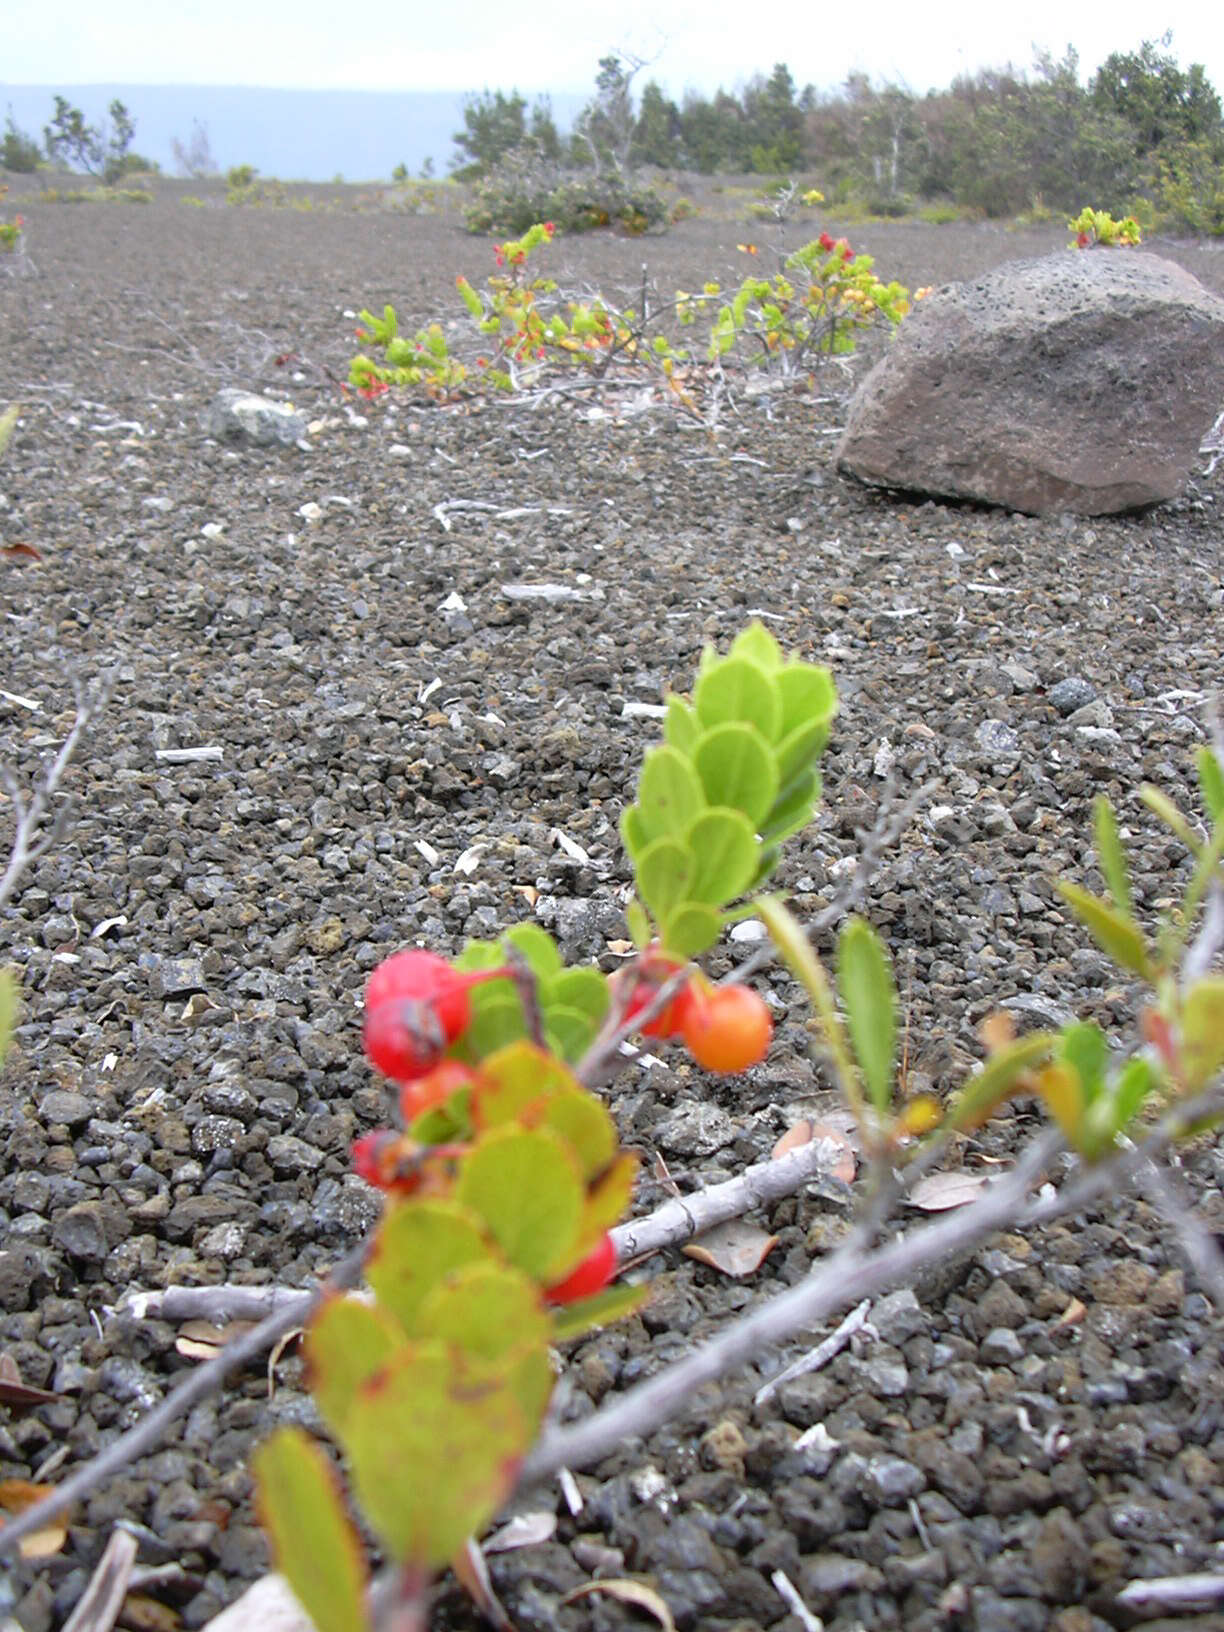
column 296, row 135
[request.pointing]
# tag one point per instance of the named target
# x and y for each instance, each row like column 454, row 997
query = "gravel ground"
column 187, row 1079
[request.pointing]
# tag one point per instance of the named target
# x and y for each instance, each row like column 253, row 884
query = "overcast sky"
column 540, row 45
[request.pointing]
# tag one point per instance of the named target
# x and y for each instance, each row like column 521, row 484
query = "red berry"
column 423, row 977
column 403, row 1038
column 652, row 971
column 727, row 1028
column 591, row 1275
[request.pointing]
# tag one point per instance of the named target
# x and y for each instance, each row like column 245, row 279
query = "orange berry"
column 727, row 1028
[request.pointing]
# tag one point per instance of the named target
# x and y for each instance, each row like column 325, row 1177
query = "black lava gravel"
column 411, row 650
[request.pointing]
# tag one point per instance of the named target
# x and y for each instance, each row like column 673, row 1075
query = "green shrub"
column 240, row 176
column 525, row 189
column 891, row 206
column 20, row 154
column 939, row 215
column 196, row 203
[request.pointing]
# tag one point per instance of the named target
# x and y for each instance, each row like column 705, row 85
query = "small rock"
column 1071, row 694
column 1000, row 1347
column 66, row 1106
column 244, row 416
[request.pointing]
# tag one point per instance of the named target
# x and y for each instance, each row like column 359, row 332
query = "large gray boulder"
column 1080, row 382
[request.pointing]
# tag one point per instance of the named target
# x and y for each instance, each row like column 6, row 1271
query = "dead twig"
column 28, row 842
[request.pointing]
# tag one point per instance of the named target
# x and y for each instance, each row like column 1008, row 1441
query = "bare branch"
column 677, row 1220
column 28, row 842
column 850, row 1274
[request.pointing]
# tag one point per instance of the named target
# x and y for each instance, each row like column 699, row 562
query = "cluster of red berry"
column 416, row 1006
column 829, row 244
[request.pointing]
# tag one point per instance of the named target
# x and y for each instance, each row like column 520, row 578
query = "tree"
column 542, row 131
column 493, row 125
column 1163, row 104
column 69, row 140
column 774, row 121
column 19, row 152
column 606, row 126
column 656, row 136
column 195, row 159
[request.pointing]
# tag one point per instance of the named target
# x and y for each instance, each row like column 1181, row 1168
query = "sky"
column 555, row 45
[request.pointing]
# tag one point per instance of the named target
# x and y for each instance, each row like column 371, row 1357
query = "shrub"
column 19, row 152
column 239, row 176
column 524, row 189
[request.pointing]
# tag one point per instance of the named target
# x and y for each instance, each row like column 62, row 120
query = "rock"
column 1070, row 695
column 89, row 1230
column 1076, row 382
column 243, row 416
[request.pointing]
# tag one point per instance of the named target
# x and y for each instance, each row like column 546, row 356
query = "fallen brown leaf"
column 940, row 1191
column 21, row 549
column 18, row 1494
column 143, row 1614
column 1071, row 1315
column 201, row 1340
column 13, row 1391
column 735, row 1248
column 626, row 1591
column 472, row 1573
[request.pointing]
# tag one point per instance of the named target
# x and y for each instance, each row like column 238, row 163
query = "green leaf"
column 1202, row 1032
column 792, row 810
column 418, row 1244
column 584, row 1124
column 680, row 728
column 601, row 1309
column 537, row 947
column 725, row 848
column 478, row 955
column 607, row 1201
column 737, row 692
column 639, row 925
column 807, row 693
column 799, row 748
column 347, row 1342
column 665, row 871
column 669, row 793
column 633, row 832
column 869, row 995
column 314, row 1543
column 1112, row 856
column 495, row 1317
column 1136, row 1082
column 690, row 929
column 8, row 422
column 737, row 769
column 569, row 1032
column 527, row 1186
column 497, row 1019
column 434, row 1453
column 1083, row 1047
column 584, row 989
column 998, row 1078
column 757, row 645
column 1211, row 782
column 1119, row 937
column 8, row 1009
column 1161, row 805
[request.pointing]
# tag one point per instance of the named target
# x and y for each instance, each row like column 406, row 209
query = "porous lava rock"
column 1075, row 382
